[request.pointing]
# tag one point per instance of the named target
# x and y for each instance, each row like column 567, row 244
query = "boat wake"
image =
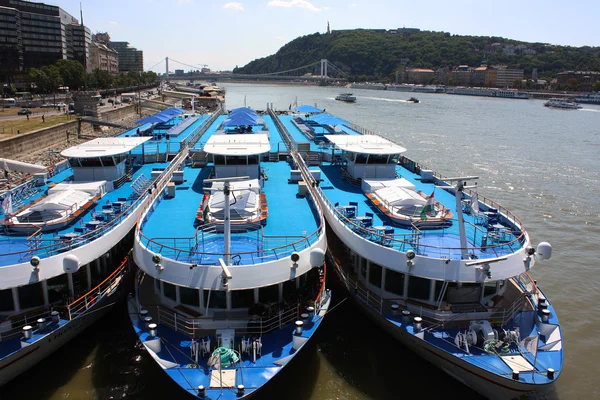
column 589, row 109
column 387, row 99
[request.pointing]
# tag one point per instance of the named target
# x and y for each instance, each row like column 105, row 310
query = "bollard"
column 417, row 324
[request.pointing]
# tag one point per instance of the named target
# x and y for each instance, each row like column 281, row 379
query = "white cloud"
column 296, row 3
column 113, row 23
column 234, row 6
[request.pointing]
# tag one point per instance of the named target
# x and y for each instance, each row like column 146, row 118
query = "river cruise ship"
column 438, row 266
column 231, row 260
column 66, row 232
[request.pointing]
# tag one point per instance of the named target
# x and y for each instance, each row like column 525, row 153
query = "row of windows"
column 36, row 21
column 420, row 288
column 11, row 26
column 44, row 49
column 57, row 38
column 27, row 29
column 217, row 299
column 40, row 6
column 7, row 17
column 8, row 39
column 5, row 32
column 31, row 296
column 55, row 44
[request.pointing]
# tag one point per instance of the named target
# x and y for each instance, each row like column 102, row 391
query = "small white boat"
column 561, row 103
column 347, row 97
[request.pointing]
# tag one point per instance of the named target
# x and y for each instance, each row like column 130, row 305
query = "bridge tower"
column 324, row 68
column 167, row 64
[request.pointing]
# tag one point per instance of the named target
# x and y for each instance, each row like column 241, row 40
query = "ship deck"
column 277, row 350
column 162, row 143
column 443, row 241
column 15, row 248
column 291, row 217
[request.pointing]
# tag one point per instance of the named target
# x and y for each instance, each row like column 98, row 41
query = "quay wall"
column 35, row 141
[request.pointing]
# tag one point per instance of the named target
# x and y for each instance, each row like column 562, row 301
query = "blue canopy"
column 163, row 116
column 308, row 109
column 241, row 119
column 247, row 109
column 328, row 119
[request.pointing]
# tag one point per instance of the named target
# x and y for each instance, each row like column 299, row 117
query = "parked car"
column 24, row 111
column 61, row 105
column 110, row 100
column 117, row 102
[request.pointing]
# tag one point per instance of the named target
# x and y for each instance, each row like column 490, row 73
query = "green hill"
column 376, row 54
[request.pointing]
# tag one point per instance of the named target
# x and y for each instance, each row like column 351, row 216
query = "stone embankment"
column 44, row 146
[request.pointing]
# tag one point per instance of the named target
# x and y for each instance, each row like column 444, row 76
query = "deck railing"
column 109, row 285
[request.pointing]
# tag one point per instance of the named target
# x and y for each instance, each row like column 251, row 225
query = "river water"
column 542, row 164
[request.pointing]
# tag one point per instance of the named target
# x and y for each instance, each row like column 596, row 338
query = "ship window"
column 6, row 300
column 378, row 159
column 361, row 158
column 218, row 299
column 394, row 158
column 219, row 160
column 31, row 295
column 236, row 160
column 268, row 294
column 253, row 160
column 419, row 288
column 58, row 289
column 489, row 288
column 438, row 289
column 394, row 282
column 375, row 274
column 169, row 291
column 363, row 267
column 80, row 284
column 466, row 293
column 290, row 293
column 242, row 298
column 189, row 296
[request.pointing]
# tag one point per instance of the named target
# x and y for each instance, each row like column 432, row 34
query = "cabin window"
column 242, row 298
column 253, row 160
column 290, row 293
column 97, row 272
column 189, row 296
column 108, row 161
column 269, row 294
column 80, row 284
column 6, row 300
column 394, row 159
column 236, row 160
column 489, row 288
column 219, row 160
column 218, row 298
column 169, row 291
column 58, row 289
column 419, row 288
column 375, row 274
column 378, row 159
column 89, row 162
column 466, row 293
column 361, row 158
column 31, row 295
column 438, row 289
column 363, row 267
column 394, row 282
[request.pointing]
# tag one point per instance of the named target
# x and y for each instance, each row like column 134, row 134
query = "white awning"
column 366, row 144
column 238, row 144
column 244, row 199
column 93, row 188
column 400, row 197
column 371, row 185
column 104, row 147
column 61, row 201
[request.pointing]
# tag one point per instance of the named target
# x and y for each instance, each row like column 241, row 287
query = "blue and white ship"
column 442, row 269
column 65, row 234
column 231, row 258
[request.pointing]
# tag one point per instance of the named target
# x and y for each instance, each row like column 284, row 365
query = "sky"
column 222, row 34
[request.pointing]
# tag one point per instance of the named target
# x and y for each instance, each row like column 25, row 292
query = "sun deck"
column 162, row 141
column 291, row 218
column 443, row 241
column 19, row 248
